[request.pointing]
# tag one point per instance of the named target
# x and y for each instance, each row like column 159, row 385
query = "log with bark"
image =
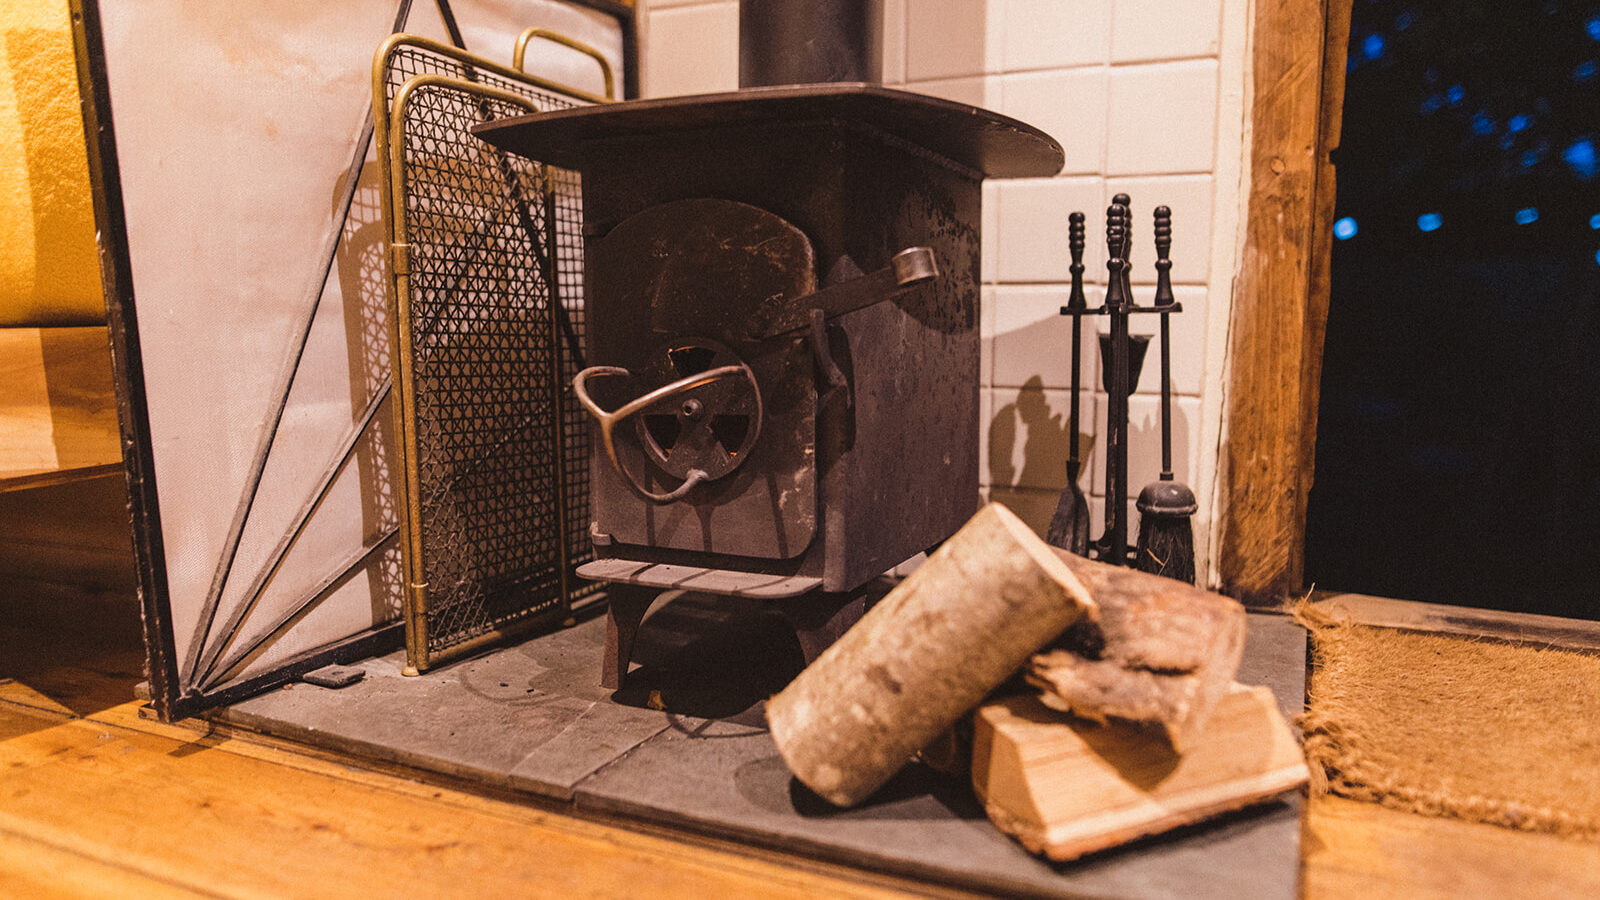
column 930, row 651
column 1160, row 654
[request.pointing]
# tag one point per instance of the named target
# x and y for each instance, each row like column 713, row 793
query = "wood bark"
column 1160, row 654
column 958, row 627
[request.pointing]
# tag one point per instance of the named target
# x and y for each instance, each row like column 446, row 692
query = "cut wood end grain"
column 1065, row 787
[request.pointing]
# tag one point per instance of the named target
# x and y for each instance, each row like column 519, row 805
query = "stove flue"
column 809, row 41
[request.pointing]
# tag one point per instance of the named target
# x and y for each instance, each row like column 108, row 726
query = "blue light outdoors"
column 1372, row 47
column 1581, row 157
column 1527, row 215
column 1516, row 124
column 1345, row 228
column 1594, row 221
column 1429, row 221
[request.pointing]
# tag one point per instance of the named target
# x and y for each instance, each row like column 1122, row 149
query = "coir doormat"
column 1454, row 726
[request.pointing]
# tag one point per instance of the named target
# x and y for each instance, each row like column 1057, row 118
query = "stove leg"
column 626, row 606
column 820, row 618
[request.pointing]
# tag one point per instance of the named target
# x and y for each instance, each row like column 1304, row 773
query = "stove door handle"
column 609, row 420
column 907, row 269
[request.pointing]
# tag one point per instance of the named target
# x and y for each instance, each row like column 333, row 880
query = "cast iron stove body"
column 782, row 288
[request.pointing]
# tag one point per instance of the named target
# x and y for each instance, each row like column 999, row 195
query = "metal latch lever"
column 908, row 268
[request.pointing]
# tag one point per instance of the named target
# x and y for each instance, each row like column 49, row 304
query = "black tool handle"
column 1115, row 550
column 1075, row 301
column 1121, row 199
column 1163, row 217
column 1164, row 300
column 1076, row 242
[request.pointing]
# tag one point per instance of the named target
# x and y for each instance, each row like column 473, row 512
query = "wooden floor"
column 95, row 801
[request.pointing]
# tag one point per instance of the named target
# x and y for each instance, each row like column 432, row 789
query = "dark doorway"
column 1458, row 438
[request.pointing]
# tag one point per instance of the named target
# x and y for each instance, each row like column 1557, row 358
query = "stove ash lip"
column 982, row 141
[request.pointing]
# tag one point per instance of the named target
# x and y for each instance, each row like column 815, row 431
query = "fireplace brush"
column 1166, row 537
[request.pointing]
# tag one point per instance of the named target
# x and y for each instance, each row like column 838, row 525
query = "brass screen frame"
column 390, row 141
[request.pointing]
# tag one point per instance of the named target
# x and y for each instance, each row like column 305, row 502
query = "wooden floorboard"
column 118, row 805
column 221, row 815
column 1355, row 849
column 96, row 801
column 38, row 871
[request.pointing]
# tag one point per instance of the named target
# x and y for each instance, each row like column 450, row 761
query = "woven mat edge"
column 1337, row 768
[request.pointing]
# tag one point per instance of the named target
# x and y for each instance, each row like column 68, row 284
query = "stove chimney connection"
column 810, row 41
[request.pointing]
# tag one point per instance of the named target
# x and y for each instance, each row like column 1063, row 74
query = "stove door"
column 671, row 293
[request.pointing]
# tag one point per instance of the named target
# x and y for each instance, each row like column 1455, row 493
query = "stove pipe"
column 810, row 41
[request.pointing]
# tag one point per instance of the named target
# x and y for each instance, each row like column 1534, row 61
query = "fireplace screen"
column 487, row 269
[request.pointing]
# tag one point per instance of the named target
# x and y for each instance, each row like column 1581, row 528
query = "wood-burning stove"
column 782, row 297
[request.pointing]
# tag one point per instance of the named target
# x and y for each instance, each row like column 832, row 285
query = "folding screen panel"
column 239, row 209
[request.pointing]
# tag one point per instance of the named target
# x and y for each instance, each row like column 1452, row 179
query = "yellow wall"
column 49, row 274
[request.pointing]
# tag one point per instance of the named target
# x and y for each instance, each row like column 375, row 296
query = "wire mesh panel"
column 488, row 264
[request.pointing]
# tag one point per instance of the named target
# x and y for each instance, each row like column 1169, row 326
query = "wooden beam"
column 1281, row 302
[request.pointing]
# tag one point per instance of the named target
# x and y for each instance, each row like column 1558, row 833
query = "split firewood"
column 935, row 646
column 1065, row 787
column 1160, row 654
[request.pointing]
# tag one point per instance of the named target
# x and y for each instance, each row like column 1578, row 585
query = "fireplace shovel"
column 1069, row 527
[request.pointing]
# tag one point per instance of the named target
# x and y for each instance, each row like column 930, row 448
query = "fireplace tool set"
column 1166, row 540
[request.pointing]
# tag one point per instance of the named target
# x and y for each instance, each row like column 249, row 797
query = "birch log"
column 929, row 652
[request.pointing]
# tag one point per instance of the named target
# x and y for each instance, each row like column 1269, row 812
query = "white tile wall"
column 1149, row 30
column 1028, row 441
column 1033, row 229
column 1146, row 97
column 1033, row 341
column 1067, row 104
column 947, row 39
column 1053, row 34
column 1163, row 118
column 689, row 47
column 894, row 42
